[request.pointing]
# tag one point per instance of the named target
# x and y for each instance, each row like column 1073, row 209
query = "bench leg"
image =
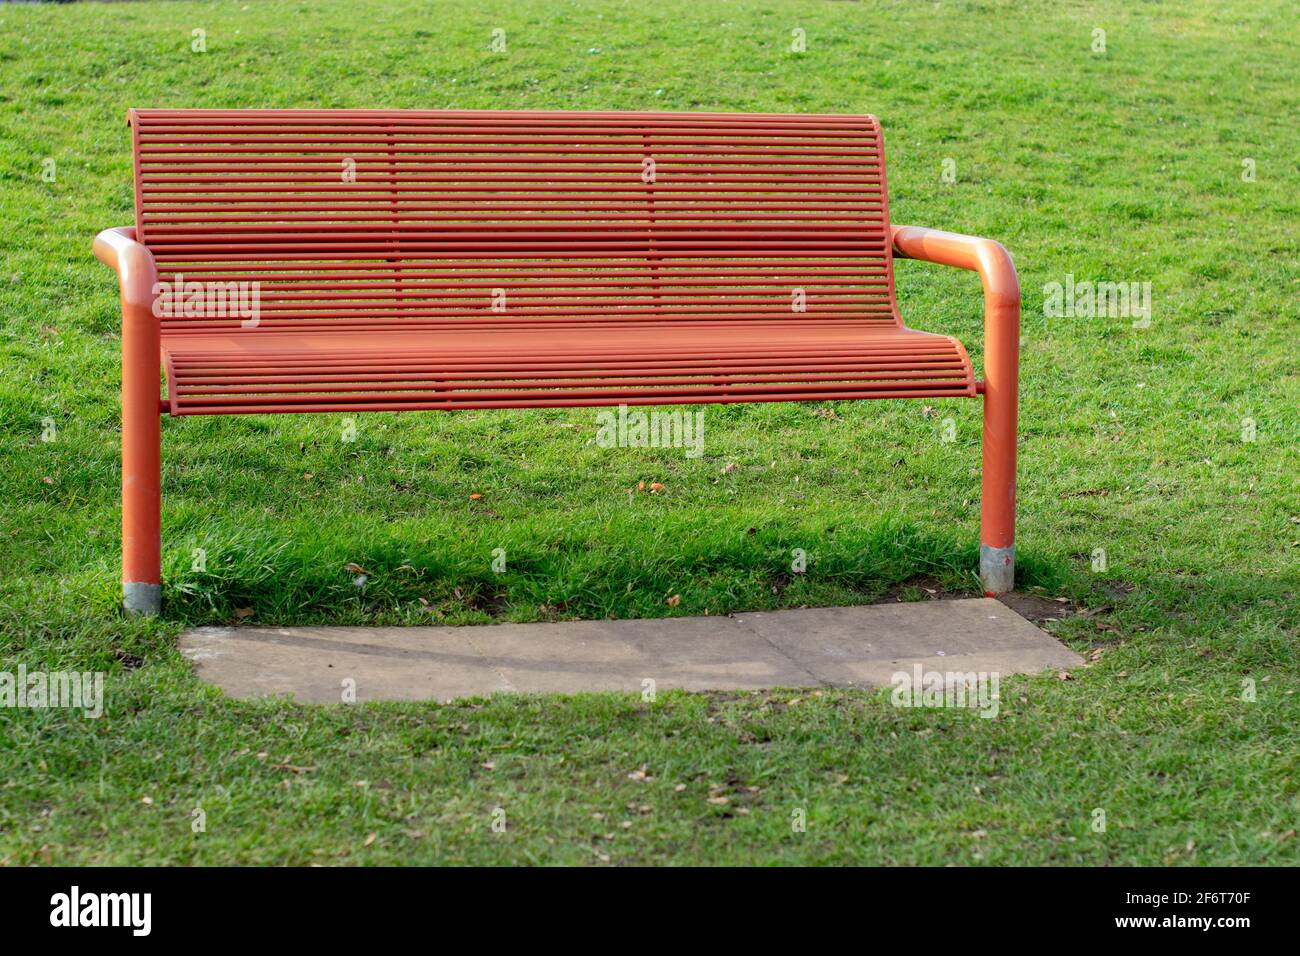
column 998, row 498
column 141, row 477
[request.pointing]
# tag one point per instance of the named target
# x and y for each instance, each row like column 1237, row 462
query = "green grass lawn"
column 1119, row 166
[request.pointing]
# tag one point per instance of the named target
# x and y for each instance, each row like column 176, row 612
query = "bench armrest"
column 988, row 258
column 134, row 264
column 1001, row 292
column 137, row 274
column 1001, row 384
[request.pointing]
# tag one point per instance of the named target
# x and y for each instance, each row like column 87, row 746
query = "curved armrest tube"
column 988, row 258
column 134, row 265
column 137, row 274
column 1001, row 384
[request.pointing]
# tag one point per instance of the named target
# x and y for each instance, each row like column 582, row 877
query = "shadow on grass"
column 620, row 567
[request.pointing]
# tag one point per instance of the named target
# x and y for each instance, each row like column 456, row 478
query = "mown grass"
column 1123, row 166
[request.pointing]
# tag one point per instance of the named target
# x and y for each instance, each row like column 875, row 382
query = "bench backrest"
column 435, row 219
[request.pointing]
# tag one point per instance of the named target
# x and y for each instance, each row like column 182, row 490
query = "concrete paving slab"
column 839, row 646
column 849, row 646
column 311, row 663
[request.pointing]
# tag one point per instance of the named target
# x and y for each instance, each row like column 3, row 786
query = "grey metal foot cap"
column 139, row 597
column 997, row 569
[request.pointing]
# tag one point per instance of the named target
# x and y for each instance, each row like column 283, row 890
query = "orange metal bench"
column 479, row 259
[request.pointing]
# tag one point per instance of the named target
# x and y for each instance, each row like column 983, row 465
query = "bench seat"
column 634, row 364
